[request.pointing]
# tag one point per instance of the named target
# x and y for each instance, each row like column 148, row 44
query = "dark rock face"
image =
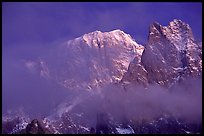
column 92, row 131
column 171, row 53
column 136, row 74
column 102, row 124
column 36, row 127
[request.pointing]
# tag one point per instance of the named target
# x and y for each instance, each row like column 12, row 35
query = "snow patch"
column 128, row 130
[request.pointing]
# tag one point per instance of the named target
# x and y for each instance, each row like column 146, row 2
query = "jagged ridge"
column 171, row 54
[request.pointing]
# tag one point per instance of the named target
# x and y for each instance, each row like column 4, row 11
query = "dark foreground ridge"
column 161, row 125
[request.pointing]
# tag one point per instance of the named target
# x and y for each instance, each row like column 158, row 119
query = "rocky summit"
column 171, row 54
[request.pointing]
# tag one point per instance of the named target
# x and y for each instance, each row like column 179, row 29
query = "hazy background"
column 30, row 30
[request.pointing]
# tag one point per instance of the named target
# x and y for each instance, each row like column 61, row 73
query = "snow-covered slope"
column 89, row 61
column 98, row 58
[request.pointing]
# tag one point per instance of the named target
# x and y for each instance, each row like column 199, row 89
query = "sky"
column 33, row 23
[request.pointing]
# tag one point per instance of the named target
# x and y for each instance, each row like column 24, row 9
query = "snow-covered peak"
column 113, row 38
column 97, row 58
column 120, row 34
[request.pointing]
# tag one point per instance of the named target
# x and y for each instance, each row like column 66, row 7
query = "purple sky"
column 32, row 23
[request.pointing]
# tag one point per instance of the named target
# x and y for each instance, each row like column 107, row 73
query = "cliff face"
column 90, row 61
column 99, row 58
column 171, row 54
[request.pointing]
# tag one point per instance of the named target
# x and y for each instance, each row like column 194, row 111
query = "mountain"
column 89, row 61
column 99, row 58
column 171, row 54
column 86, row 81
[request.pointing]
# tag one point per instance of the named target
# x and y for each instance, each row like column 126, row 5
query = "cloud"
column 135, row 102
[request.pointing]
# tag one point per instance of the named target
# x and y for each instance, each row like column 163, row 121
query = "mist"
column 183, row 101
column 25, row 89
column 136, row 103
column 39, row 97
